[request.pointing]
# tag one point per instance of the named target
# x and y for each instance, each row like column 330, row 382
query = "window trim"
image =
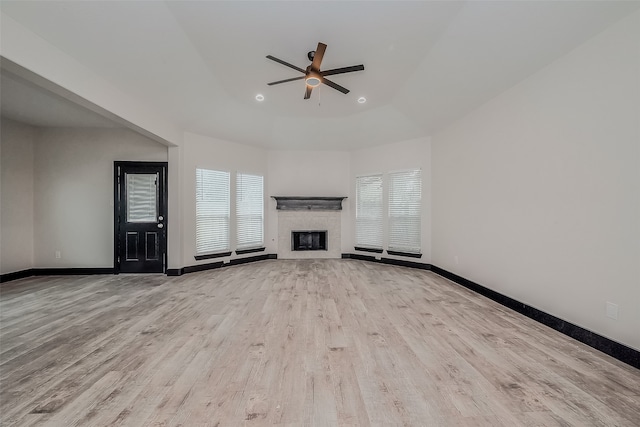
column 249, row 251
column 213, row 255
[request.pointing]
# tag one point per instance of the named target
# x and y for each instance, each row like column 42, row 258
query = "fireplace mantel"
column 308, row 203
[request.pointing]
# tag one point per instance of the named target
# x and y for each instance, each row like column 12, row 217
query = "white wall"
column 309, row 173
column 16, row 196
column 210, row 153
column 537, row 193
column 398, row 156
column 73, row 209
column 175, row 238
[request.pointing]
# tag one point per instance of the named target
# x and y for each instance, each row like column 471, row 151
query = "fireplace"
column 308, row 240
column 309, row 227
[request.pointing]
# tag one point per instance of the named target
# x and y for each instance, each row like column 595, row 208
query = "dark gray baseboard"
column 360, row 257
column 405, row 263
column 261, row 257
column 391, row 261
column 220, row 264
column 612, row 348
column 7, row 277
column 175, row 271
column 54, row 272
column 202, row 267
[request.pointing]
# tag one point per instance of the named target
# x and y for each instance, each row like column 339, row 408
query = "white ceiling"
column 426, row 63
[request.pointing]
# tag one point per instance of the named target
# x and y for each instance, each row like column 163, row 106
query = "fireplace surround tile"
column 289, row 221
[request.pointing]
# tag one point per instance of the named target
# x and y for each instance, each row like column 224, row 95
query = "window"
column 249, row 211
column 212, row 211
column 369, row 211
column 405, row 199
column 142, row 197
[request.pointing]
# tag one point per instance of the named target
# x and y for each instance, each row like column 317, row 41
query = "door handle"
column 160, row 225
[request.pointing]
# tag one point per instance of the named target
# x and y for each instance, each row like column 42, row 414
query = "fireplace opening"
column 309, row 240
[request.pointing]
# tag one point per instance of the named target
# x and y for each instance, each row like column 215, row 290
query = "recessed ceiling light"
column 362, row 100
column 259, row 97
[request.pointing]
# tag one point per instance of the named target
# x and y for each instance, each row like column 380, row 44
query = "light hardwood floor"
column 293, row 343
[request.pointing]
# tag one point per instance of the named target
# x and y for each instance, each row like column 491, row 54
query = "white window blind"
column 249, row 211
column 369, row 211
column 142, row 197
column 212, row 211
column 405, row 200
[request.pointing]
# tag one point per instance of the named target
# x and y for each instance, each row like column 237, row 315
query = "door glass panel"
column 142, row 197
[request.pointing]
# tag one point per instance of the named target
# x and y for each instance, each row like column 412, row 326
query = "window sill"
column 248, row 251
column 359, row 248
column 210, row 256
column 407, row 254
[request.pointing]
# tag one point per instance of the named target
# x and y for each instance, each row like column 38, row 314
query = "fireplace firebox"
column 309, row 240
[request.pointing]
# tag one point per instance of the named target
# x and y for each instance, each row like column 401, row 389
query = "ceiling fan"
column 312, row 75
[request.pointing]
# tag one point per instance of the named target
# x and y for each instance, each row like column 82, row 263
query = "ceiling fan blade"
column 280, row 61
column 335, row 86
column 307, row 92
column 286, row 80
column 342, row 70
column 317, row 57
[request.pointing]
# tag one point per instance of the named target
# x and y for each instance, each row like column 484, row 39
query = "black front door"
column 140, row 217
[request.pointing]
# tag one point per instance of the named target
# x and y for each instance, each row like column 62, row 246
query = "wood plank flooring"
column 293, row 343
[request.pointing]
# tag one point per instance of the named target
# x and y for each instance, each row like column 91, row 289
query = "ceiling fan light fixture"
column 312, row 81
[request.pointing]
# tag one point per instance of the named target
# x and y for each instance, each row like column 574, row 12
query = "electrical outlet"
column 612, row 310
column 58, row 254
column 456, row 260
